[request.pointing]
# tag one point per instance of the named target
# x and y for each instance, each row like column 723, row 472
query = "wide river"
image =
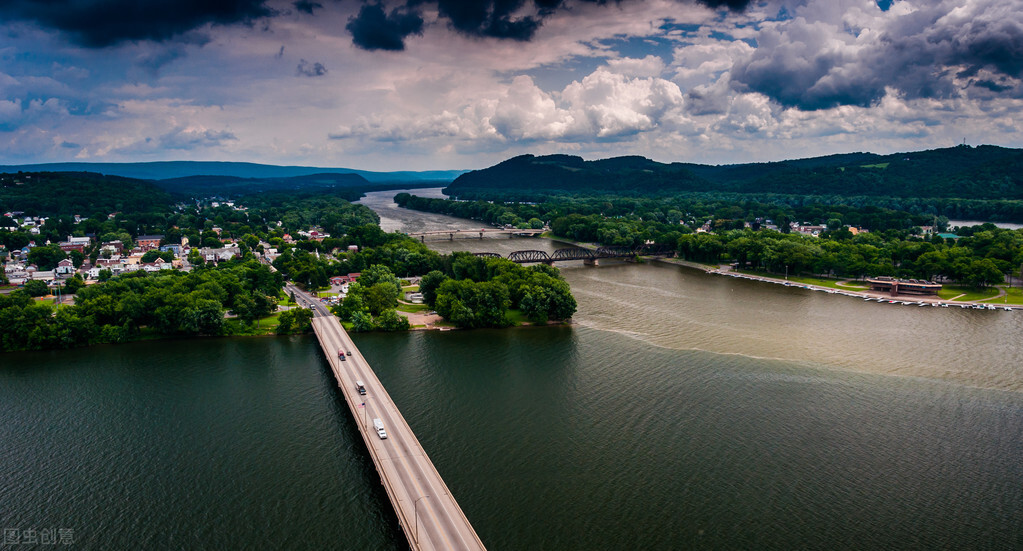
column 679, row 411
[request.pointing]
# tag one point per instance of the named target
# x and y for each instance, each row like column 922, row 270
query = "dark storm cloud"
column 925, row 54
column 372, row 29
column 306, row 69
column 99, row 23
column 307, row 6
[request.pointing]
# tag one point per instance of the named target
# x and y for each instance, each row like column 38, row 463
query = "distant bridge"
column 588, row 256
column 476, row 234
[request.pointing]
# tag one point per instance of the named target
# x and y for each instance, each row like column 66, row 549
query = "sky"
column 465, row 84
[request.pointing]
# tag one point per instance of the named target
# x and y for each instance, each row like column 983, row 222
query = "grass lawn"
column 948, row 292
column 323, row 294
column 809, row 280
column 412, row 308
column 267, row 326
column 410, row 289
column 1015, row 296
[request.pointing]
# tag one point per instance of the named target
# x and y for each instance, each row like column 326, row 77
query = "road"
column 427, row 512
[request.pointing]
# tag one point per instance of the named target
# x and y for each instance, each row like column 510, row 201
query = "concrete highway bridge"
column 588, row 256
column 474, row 234
column 426, row 510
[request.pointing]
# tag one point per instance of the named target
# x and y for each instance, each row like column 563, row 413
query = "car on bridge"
column 379, row 425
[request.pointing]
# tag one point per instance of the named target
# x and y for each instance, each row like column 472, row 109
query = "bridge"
column 426, row 510
column 588, row 256
column 476, row 234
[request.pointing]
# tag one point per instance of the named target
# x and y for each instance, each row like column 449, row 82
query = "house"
column 65, row 267
column 146, row 242
column 217, row 255
column 45, row 275
column 174, row 248
column 67, row 247
column 115, row 247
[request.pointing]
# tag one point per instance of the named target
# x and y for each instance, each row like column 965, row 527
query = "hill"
column 234, row 185
column 85, row 193
column 983, row 172
column 163, row 170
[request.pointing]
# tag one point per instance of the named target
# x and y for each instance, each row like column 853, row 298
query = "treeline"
column 167, row 303
column 985, row 258
column 634, row 220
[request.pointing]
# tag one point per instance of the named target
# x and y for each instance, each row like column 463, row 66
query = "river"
column 680, row 410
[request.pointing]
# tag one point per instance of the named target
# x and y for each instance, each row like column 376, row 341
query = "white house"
column 65, row 267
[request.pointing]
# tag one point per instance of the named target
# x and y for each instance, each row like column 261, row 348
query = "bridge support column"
column 590, row 262
column 422, row 239
column 451, row 237
column 481, row 235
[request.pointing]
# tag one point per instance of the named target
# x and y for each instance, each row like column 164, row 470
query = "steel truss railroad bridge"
column 588, row 256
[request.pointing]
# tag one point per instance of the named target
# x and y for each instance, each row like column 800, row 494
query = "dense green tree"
column 36, row 288
column 46, row 257
column 429, row 284
column 390, row 320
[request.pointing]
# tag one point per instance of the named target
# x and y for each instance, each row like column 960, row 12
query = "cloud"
column 194, row 138
column 311, row 69
column 372, row 29
column 503, row 19
column 932, row 51
column 649, row 66
column 307, row 6
column 101, row 23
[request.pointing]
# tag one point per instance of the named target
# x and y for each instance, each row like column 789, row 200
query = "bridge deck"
column 426, row 510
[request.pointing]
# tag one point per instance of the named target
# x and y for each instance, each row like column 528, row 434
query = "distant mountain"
column 163, row 170
column 234, row 185
column 982, row 172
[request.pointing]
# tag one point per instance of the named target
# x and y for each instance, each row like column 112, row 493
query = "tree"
column 390, row 320
column 469, row 304
column 429, row 284
column 379, row 297
column 379, row 273
column 362, row 322
column 73, row 284
column 36, row 288
column 46, row 257
column 105, row 274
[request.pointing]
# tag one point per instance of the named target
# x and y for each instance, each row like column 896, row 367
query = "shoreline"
column 867, row 296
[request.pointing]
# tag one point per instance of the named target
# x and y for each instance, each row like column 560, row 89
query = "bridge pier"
column 451, row 237
column 590, row 262
column 481, row 235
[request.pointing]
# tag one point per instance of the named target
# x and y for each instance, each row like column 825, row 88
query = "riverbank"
column 880, row 297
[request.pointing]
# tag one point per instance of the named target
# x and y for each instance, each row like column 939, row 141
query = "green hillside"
column 85, row 193
column 983, row 172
